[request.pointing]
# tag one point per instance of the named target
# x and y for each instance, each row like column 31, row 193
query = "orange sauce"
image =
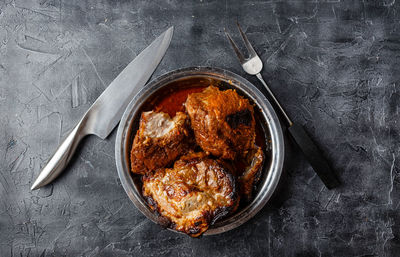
column 175, row 101
column 172, row 102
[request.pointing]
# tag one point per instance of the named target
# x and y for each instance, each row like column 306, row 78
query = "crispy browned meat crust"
column 252, row 174
column 222, row 121
column 159, row 141
column 193, row 194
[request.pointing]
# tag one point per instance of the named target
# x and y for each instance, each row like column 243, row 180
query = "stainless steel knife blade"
column 107, row 110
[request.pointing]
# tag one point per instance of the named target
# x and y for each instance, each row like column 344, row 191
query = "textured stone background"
column 333, row 64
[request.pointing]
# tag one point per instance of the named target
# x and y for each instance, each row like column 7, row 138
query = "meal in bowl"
column 197, row 154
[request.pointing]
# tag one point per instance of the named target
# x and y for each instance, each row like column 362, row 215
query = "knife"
column 107, row 110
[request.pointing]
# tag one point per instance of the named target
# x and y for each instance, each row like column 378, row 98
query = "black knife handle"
column 314, row 156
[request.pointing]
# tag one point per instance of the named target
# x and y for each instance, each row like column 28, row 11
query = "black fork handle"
column 308, row 147
column 314, row 156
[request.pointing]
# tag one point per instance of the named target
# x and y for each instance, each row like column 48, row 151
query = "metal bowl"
column 184, row 77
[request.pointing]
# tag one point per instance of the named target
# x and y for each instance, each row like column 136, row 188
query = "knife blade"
column 107, row 110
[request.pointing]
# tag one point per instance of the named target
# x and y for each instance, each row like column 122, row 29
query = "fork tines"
column 249, row 47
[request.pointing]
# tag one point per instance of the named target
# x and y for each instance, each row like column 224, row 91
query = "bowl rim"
column 277, row 153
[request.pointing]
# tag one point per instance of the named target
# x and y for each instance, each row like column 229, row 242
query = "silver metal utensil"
column 107, row 110
column 253, row 66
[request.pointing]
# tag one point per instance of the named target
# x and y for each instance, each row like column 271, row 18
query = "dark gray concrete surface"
column 333, row 64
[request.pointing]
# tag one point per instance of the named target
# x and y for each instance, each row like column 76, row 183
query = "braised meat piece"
column 252, row 173
column 159, row 141
column 222, row 121
column 193, row 194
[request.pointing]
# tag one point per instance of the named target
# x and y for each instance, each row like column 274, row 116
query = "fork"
column 253, row 66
